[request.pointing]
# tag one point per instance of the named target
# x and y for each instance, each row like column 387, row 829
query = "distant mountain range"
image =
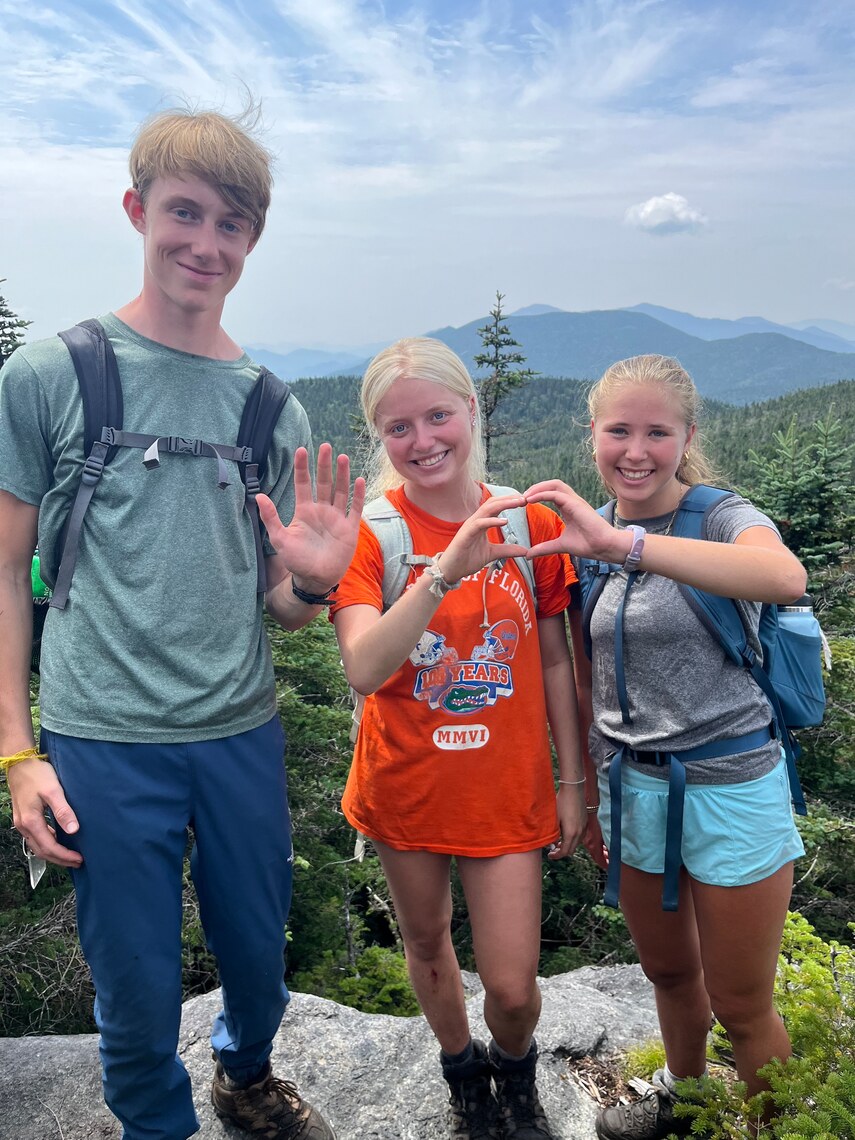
column 708, row 328
column 303, row 363
column 739, row 361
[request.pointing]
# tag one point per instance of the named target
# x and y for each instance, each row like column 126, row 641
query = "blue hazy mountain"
column 302, row 362
column 536, row 311
column 742, row 369
column 836, row 327
column 737, row 367
column 716, row 328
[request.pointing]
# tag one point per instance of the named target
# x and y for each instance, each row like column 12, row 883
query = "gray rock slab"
column 374, row 1077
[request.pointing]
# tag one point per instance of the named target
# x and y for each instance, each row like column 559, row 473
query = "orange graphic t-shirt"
column 453, row 752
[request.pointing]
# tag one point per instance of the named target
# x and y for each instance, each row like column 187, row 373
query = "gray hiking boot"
column 473, row 1112
column 516, row 1091
column 651, row 1118
column 269, row 1109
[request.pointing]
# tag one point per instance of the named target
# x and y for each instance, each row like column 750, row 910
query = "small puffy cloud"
column 665, row 214
column 844, row 284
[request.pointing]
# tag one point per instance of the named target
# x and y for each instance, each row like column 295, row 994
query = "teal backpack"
column 789, row 674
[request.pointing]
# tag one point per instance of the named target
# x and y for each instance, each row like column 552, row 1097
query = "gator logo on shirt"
column 463, row 687
column 466, row 698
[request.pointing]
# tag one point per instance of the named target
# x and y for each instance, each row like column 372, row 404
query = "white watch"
column 636, row 550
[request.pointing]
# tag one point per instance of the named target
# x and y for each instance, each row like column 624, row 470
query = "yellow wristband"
column 7, row 762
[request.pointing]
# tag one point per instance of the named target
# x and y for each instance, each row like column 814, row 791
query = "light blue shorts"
column 733, row 834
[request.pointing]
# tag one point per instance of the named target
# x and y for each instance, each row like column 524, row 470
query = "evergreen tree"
column 11, row 329
column 503, row 376
column 807, row 486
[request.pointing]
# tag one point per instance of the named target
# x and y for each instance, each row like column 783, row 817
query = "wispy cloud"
column 429, row 152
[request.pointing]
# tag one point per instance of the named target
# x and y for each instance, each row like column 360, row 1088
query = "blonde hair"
column 669, row 374
column 414, row 358
column 216, row 148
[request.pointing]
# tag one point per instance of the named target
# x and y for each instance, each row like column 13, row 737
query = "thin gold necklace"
column 667, row 529
column 623, row 525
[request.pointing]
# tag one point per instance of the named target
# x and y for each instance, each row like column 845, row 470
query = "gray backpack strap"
column 517, row 532
column 396, row 545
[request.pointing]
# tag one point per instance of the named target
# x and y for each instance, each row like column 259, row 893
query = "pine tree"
column 807, row 487
column 503, row 377
column 11, row 329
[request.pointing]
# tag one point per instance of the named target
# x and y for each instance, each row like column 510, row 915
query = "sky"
column 587, row 155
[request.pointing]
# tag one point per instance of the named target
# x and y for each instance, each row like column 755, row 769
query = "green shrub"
column 377, row 982
column 813, row 1093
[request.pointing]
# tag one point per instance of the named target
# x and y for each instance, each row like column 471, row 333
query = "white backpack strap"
column 396, row 546
column 517, row 532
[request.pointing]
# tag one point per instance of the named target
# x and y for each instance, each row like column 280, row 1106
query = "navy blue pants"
column 134, row 803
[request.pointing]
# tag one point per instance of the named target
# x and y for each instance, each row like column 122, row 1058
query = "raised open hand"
column 318, row 544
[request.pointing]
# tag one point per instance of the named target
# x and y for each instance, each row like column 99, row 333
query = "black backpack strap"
column 98, row 377
column 101, row 391
column 261, row 413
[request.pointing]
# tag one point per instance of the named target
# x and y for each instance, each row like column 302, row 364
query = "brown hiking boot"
column 473, row 1112
column 269, row 1109
column 516, row 1092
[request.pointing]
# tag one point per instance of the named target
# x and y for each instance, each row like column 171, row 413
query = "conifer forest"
column 794, row 456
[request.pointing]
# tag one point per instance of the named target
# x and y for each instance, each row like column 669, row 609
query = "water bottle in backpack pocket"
column 795, row 667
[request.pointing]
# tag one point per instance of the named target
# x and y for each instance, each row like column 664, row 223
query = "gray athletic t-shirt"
column 162, row 637
column 683, row 690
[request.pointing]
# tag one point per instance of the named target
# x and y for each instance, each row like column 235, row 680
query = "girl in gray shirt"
column 716, row 952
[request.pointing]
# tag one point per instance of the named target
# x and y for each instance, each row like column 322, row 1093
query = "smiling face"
column 195, row 244
column 640, row 436
column 426, row 430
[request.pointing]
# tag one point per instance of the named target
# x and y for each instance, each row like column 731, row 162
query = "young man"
column 157, row 695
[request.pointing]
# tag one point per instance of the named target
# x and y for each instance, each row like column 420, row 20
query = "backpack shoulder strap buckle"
column 93, row 467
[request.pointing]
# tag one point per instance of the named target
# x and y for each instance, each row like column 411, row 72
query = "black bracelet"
column 313, row 599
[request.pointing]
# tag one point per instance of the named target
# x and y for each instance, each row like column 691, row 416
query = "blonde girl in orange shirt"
column 460, row 675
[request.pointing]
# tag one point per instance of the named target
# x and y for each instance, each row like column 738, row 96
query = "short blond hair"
column 217, row 148
column 415, row 358
column 669, row 374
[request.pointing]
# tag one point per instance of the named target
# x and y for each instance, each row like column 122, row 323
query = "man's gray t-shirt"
column 162, row 637
column 683, row 690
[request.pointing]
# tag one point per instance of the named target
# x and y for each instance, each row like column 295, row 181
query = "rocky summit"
column 375, row 1077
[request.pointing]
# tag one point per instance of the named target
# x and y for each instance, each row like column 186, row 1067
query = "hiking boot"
column 521, row 1111
column 651, row 1118
column 473, row 1112
column 269, row 1109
